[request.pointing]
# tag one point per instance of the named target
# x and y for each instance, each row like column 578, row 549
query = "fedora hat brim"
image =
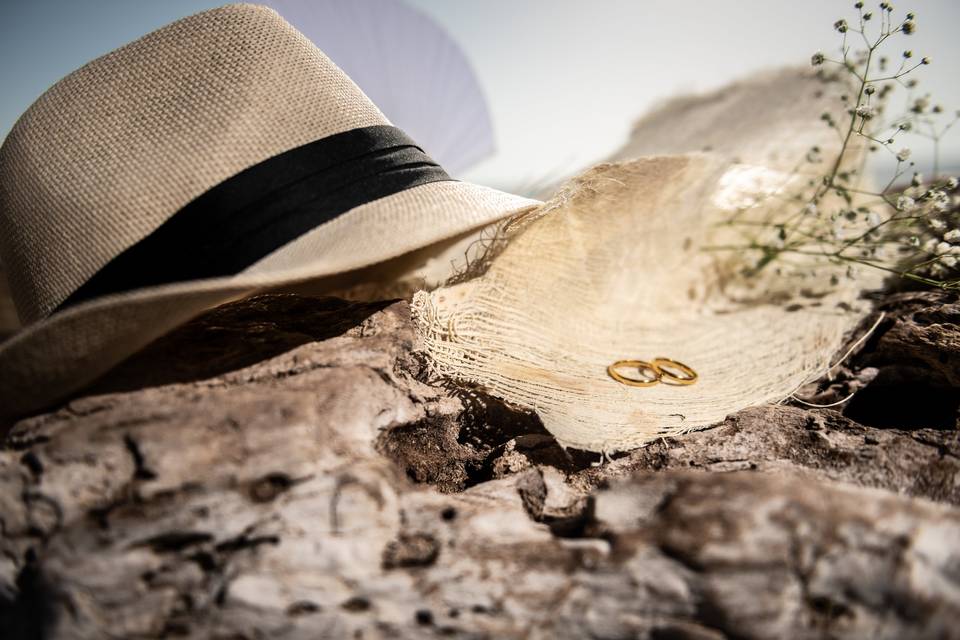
column 50, row 359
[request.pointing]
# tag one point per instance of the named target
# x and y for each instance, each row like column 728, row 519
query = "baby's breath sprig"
column 913, row 231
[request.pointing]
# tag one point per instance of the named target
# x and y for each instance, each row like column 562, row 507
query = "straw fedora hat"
column 218, row 156
column 616, row 267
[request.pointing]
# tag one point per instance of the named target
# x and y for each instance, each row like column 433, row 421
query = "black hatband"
column 251, row 214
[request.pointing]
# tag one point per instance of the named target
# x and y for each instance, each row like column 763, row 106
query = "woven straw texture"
column 613, row 268
column 133, row 136
column 769, row 119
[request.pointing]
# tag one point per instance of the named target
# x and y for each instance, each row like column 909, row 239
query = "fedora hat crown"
column 113, row 150
column 217, row 157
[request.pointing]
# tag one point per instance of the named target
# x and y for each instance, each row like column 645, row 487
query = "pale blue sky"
column 564, row 78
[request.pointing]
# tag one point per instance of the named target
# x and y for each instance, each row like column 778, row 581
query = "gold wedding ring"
column 668, row 377
column 641, row 366
column 665, row 370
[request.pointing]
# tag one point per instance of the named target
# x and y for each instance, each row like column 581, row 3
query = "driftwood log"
column 281, row 467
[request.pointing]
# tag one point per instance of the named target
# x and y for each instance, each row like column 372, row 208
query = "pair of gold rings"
column 653, row 372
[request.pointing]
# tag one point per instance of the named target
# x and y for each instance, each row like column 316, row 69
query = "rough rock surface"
column 280, row 467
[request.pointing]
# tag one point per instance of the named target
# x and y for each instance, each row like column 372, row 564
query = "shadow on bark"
column 236, row 335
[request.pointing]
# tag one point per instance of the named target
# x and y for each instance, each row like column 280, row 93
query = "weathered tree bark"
column 281, row 468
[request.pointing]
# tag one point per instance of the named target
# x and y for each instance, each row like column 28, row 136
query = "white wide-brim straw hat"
column 619, row 266
column 221, row 155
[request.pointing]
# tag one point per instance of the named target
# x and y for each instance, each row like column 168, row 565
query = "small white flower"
column 865, row 112
column 941, row 201
column 952, row 236
column 951, row 184
column 873, row 218
column 936, row 224
column 950, row 261
column 943, row 247
column 817, row 58
column 930, row 245
column 906, row 203
column 903, row 155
